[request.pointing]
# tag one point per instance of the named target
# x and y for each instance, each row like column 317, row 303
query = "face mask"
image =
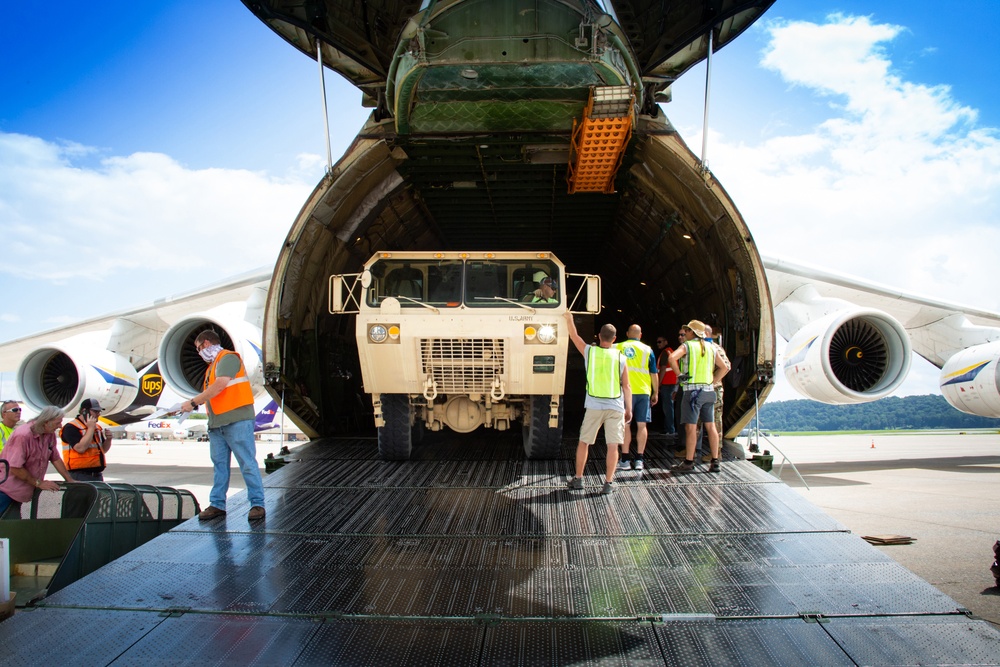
column 209, row 353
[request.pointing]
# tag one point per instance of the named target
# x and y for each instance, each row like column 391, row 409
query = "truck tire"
column 540, row 441
column 395, row 439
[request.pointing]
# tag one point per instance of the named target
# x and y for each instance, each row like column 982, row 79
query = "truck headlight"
column 377, row 333
column 547, row 333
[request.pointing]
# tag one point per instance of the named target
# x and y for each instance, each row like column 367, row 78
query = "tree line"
column 892, row 413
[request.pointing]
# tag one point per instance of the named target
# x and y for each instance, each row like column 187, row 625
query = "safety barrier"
column 65, row 535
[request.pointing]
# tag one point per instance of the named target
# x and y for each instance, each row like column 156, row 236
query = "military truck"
column 464, row 340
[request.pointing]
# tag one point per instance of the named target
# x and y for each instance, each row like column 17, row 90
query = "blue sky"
column 858, row 136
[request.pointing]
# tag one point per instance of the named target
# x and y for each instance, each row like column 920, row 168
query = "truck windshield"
column 475, row 283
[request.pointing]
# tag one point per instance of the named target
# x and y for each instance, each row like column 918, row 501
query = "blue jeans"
column 667, row 401
column 235, row 438
column 5, row 502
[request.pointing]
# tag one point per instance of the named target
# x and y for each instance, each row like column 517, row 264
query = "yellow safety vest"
column 603, row 372
column 701, row 367
column 637, row 356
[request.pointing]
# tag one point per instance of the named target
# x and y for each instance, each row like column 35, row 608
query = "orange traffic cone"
column 873, row 443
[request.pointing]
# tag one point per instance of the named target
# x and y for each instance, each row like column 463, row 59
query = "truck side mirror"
column 336, row 294
column 593, row 294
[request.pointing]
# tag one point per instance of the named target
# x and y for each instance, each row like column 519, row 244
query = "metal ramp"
column 471, row 555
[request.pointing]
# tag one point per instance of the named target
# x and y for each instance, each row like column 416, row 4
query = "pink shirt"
column 25, row 449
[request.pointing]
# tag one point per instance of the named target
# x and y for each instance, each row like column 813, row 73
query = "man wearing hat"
column 84, row 444
column 705, row 368
column 546, row 292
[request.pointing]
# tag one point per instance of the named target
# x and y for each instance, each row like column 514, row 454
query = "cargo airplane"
column 509, row 126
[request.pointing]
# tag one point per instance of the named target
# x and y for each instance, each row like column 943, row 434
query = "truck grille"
column 462, row 365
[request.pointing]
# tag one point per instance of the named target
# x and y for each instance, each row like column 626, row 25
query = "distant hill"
column 908, row 412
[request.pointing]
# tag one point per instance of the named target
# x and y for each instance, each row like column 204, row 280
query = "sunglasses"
column 13, row 410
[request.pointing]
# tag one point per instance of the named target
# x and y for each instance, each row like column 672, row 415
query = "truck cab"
column 461, row 340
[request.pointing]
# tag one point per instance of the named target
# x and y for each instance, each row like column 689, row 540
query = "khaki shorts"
column 613, row 422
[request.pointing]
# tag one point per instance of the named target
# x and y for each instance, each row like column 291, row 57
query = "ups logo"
column 152, row 384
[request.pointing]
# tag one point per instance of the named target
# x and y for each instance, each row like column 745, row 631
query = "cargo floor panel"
column 466, row 559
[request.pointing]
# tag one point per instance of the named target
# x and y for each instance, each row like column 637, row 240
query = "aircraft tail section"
column 265, row 418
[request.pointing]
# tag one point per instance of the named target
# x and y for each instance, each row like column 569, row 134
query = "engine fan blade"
column 59, row 380
column 858, row 355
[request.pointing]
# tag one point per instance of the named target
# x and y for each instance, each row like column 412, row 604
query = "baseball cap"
column 91, row 404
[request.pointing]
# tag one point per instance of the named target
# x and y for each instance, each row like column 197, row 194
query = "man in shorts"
column 608, row 402
column 704, row 369
column 644, row 380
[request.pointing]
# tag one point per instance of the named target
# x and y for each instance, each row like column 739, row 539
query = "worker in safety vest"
column 10, row 414
column 704, row 369
column 228, row 398
column 608, row 401
column 645, row 382
column 84, row 443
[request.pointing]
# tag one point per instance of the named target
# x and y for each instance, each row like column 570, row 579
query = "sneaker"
column 683, row 466
column 576, row 483
column 256, row 513
column 609, row 487
column 210, row 512
column 624, row 464
column 714, row 466
column 639, row 465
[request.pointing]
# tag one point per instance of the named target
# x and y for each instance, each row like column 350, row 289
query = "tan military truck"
column 463, row 340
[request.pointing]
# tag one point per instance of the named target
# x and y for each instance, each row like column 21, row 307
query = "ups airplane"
column 511, row 140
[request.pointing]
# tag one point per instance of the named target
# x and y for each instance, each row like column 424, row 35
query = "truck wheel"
column 540, row 441
column 395, row 439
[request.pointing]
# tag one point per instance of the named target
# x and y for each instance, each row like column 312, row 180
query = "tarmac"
column 934, row 487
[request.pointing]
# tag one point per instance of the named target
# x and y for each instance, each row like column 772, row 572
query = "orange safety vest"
column 92, row 458
column 237, row 393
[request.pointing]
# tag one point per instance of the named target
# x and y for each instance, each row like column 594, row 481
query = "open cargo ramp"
column 470, row 554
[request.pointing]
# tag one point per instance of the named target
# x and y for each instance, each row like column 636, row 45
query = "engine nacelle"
column 184, row 370
column 970, row 380
column 71, row 370
column 854, row 355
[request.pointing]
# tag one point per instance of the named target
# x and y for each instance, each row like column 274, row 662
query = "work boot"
column 714, row 466
column 256, row 513
column 210, row 512
column 575, row 484
column 684, row 466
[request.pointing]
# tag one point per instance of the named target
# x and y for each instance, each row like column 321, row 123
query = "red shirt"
column 670, row 377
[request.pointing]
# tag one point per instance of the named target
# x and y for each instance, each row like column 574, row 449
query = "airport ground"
column 938, row 488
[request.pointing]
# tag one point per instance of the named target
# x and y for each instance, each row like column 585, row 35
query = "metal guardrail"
column 87, row 525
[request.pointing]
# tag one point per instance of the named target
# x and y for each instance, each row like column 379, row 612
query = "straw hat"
column 697, row 327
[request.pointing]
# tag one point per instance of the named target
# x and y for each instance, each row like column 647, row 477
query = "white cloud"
column 104, row 223
column 898, row 184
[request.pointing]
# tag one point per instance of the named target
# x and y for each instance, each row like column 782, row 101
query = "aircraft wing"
column 147, row 323
column 117, row 358
column 849, row 340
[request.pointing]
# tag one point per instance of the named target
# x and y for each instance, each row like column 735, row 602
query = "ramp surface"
column 471, row 555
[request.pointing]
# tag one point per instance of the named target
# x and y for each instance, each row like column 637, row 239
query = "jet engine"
column 184, row 370
column 66, row 372
column 854, row 355
column 970, row 380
